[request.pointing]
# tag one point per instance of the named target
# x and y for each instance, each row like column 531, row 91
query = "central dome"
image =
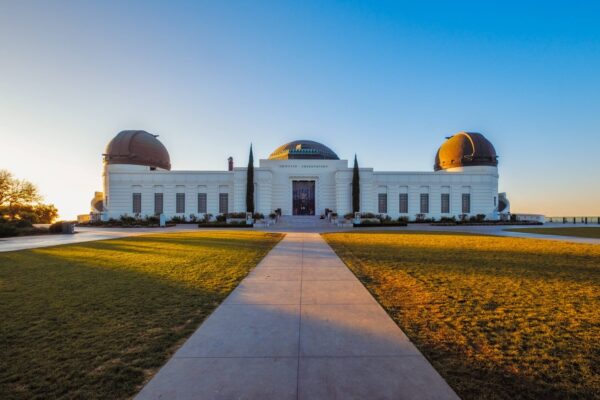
column 303, row 150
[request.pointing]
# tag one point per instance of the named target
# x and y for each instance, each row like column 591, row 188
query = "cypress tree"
column 355, row 187
column 250, row 183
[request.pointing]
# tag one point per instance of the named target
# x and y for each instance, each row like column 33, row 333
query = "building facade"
column 299, row 178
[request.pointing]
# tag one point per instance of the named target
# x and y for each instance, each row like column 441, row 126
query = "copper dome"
column 303, row 150
column 137, row 148
column 465, row 149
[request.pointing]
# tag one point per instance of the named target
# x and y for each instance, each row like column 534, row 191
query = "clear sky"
column 387, row 80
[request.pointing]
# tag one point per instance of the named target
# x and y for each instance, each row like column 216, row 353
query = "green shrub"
column 384, row 218
column 7, row 230
column 221, row 218
column 56, row 227
column 273, row 215
column 448, row 219
column 23, row 223
column 258, row 216
column 205, row 218
column 403, row 219
column 237, row 215
column 368, row 215
column 127, row 219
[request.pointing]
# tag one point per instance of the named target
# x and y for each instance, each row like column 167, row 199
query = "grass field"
column 96, row 320
column 498, row 317
column 583, row 232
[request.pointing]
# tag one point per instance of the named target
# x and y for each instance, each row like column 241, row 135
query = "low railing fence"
column 574, row 220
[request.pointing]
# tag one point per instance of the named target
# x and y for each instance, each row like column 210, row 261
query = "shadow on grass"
column 95, row 320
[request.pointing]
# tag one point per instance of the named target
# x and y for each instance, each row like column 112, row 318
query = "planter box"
column 235, row 220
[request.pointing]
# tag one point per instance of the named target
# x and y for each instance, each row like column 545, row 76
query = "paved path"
column 300, row 326
column 498, row 230
column 95, row 233
column 83, row 234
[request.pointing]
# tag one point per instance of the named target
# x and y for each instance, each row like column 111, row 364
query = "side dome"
column 465, row 149
column 303, row 150
column 137, row 148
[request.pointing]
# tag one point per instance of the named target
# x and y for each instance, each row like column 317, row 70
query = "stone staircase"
column 301, row 222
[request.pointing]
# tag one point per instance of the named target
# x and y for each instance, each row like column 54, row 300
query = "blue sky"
column 387, row 80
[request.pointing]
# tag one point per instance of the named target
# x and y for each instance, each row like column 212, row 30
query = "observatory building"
column 302, row 177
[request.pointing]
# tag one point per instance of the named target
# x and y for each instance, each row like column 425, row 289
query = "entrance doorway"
column 303, row 197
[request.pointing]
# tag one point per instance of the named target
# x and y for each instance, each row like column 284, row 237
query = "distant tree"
column 355, row 187
column 44, row 213
column 250, row 183
column 20, row 200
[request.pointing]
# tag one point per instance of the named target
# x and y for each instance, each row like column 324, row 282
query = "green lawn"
column 498, row 317
column 96, row 320
column 583, row 232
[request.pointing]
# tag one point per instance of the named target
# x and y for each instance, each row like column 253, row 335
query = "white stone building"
column 299, row 178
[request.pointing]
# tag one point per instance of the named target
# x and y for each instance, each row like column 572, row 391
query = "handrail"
column 574, row 220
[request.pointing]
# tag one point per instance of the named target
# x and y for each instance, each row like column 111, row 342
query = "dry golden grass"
column 96, row 320
column 500, row 318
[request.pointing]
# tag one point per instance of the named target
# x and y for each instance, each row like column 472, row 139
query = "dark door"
column 303, row 202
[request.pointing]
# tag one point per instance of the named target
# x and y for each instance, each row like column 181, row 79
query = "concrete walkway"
column 89, row 234
column 300, row 326
column 83, row 234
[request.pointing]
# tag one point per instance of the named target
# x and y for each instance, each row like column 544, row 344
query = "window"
column 202, row 203
column 495, row 201
column 404, row 203
column 445, row 203
column 223, row 203
column 158, row 203
column 137, row 203
column 382, row 201
column 180, row 203
column 424, row 203
column 466, row 203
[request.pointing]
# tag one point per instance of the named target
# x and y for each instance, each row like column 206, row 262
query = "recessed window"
column 137, row 203
column 158, row 203
column 424, row 203
column 466, row 203
column 202, row 203
column 445, row 203
column 403, row 203
column 180, row 203
column 382, row 201
column 223, row 203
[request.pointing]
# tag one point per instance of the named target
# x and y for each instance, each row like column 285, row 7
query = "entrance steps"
column 301, row 221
